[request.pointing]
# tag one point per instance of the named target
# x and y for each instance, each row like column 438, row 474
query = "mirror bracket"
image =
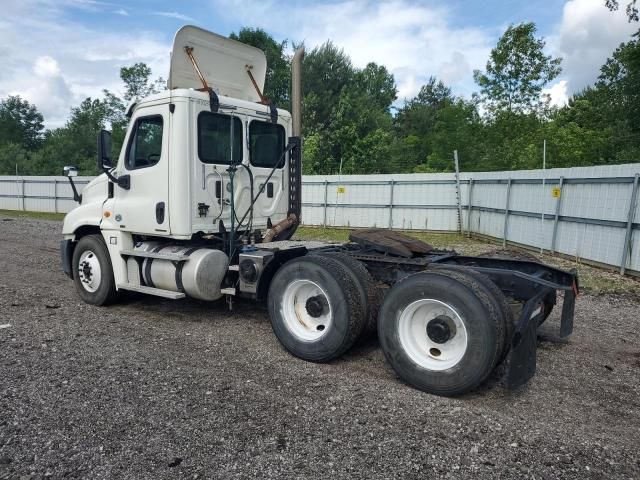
column 71, row 172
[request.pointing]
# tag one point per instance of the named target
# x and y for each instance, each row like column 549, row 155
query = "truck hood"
column 96, row 189
column 223, row 63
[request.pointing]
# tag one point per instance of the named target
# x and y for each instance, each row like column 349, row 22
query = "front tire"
column 92, row 271
column 315, row 308
column 440, row 332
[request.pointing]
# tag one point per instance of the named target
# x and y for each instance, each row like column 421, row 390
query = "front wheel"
column 92, row 271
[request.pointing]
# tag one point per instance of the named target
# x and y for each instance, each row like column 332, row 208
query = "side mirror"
column 70, row 171
column 104, row 150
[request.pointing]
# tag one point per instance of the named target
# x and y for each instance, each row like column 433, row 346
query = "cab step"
column 158, row 292
column 174, row 257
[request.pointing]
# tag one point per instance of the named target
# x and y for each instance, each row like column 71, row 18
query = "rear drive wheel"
column 315, row 308
column 370, row 293
column 506, row 326
column 92, row 271
column 440, row 332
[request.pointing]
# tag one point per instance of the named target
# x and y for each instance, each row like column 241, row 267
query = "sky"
column 55, row 53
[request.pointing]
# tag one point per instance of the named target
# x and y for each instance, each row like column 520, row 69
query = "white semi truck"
column 203, row 201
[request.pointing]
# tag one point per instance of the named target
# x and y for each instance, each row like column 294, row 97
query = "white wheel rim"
column 416, row 342
column 89, row 271
column 297, row 317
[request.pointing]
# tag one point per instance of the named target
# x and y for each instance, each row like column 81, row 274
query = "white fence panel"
column 589, row 220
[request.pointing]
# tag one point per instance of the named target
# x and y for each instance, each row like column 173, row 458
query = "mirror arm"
column 123, row 181
column 76, row 196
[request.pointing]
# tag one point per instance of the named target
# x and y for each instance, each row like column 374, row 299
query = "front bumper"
column 66, row 255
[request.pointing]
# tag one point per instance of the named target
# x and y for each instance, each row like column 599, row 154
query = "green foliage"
column 517, row 71
column 278, row 63
column 138, row 82
column 347, row 122
column 631, row 10
column 20, row 122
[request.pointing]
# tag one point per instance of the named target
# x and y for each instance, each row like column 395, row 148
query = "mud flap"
column 522, row 358
column 568, row 308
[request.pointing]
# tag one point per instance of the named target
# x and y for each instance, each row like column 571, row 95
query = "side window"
column 145, row 146
column 266, row 141
column 214, row 138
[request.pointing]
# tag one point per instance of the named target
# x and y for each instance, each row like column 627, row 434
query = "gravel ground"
column 160, row 389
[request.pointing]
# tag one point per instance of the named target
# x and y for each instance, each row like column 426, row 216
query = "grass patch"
column 593, row 280
column 39, row 215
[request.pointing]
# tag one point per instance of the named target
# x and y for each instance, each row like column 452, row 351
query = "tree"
column 138, row 83
column 326, row 70
column 415, row 124
column 631, row 10
column 278, row 76
column 20, row 123
column 377, row 84
column 517, row 71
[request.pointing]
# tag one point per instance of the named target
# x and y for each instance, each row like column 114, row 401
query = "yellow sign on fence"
column 555, row 192
column 341, row 189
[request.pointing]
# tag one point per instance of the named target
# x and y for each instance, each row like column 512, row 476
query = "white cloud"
column 48, row 90
column 413, row 41
column 176, row 15
column 586, row 36
column 46, row 67
column 121, row 11
column 557, row 93
column 72, row 61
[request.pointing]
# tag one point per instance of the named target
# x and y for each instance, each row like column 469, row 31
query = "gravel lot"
column 159, row 389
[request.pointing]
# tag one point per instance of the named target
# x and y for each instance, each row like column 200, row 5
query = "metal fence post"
column 391, row 205
column 630, row 216
column 55, row 195
column 506, row 215
column 326, row 193
column 469, row 208
column 457, row 166
column 22, row 194
column 557, row 215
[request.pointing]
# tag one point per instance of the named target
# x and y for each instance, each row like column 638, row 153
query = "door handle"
column 160, row 212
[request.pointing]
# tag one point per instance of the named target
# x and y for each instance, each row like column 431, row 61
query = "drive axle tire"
column 507, row 324
column 440, row 331
column 92, row 271
column 315, row 308
column 370, row 293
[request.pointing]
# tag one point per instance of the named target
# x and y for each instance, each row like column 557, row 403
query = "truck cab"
column 208, row 159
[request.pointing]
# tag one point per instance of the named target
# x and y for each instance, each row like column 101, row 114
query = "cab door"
column 144, row 207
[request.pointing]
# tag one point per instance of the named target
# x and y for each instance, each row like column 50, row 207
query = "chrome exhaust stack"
column 296, row 92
